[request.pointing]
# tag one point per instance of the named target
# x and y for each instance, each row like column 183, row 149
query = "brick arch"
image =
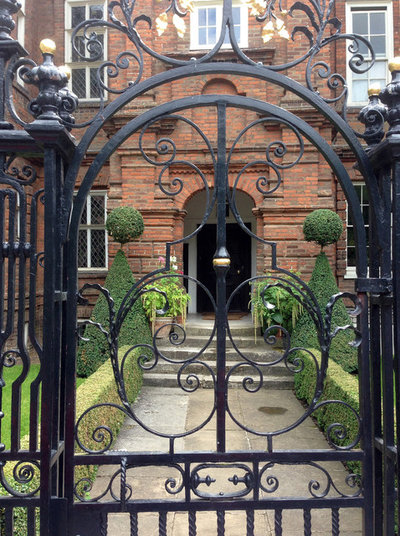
column 220, row 86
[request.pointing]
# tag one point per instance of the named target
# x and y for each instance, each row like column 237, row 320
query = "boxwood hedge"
column 339, row 385
column 323, row 285
column 135, row 329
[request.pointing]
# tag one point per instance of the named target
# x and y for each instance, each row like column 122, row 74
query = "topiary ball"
column 125, row 224
column 322, row 226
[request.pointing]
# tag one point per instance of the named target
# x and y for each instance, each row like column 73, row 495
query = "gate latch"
column 374, row 285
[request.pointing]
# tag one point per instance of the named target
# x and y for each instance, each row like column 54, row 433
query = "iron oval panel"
column 223, row 480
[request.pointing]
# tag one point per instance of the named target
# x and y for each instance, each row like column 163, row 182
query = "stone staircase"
column 198, row 333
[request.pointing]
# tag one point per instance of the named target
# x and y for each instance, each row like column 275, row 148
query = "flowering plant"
column 166, row 296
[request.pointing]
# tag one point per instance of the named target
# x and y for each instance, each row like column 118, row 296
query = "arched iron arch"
column 259, row 72
column 233, row 101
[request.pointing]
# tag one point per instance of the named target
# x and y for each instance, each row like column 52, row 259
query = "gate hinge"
column 60, row 295
column 374, row 285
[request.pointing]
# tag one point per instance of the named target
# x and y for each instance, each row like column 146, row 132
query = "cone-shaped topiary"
column 135, row 328
column 323, row 285
column 124, row 224
column 322, row 226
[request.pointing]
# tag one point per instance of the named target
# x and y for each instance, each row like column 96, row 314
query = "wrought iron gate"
column 48, row 463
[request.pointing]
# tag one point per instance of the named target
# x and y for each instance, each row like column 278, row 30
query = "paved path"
column 171, row 410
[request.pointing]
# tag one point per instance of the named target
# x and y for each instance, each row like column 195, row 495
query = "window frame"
column 194, row 22
column 357, row 5
column 89, row 227
column 86, row 65
column 351, row 271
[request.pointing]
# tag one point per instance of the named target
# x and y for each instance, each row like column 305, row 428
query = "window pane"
column 378, row 70
column 77, row 15
column 96, row 12
column 236, row 15
column 360, row 23
column 82, row 249
column 95, row 88
column 79, row 43
column 360, row 91
column 202, row 17
column 379, row 44
column 96, row 49
column 378, row 23
column 79, row 82
column 202, row 36
column 84, row 216
column 98, row 248
column 212, row 36
column 212, row 16
column 351, row 256
column 97, row 209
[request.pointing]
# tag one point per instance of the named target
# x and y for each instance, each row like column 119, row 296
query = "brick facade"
column 130, row 179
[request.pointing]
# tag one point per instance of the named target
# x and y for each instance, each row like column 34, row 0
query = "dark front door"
column 239, row 248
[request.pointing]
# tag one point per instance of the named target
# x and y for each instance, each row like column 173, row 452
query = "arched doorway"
column 198, row 253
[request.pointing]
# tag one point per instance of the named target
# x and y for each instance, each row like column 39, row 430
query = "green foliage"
column 134, row 330
column 124, row 224
column 339, row 385
column 170, row 298
column 101, row 388
column 272, row 304
column 323, row 285
column 10, row 375
column 323, row 227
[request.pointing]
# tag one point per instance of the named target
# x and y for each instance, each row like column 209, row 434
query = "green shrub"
column 272, row 304
column 323, row 285
column 124, row 224
column 101, row 388
column 134, row 330
column 323, row 227
column 339, row 385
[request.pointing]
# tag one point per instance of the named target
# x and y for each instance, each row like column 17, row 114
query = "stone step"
column 165, row 367
column 204, row 330
column 236, row 382
column 182, row 353
column 240, row 342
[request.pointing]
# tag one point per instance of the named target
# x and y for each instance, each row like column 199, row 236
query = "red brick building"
column 135, row 174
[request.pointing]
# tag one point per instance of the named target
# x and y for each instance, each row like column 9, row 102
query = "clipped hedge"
column 323, row 285
column 125, row 224
column 99, row 388
column 135, row 329
column 339, row 385
column 322, row 226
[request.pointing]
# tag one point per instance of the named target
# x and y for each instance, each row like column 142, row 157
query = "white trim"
column 194, row 22
column 89, row 227
column 363, row 5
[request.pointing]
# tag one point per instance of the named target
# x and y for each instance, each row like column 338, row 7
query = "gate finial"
column 7, row 9
column 54, row 100
column 390, row 96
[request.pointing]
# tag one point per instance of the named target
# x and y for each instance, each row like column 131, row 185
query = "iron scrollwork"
column 270, row 483
column 323, row 30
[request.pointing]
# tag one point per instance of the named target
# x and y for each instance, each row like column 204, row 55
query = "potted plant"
column 165, row 300
column 273, row 305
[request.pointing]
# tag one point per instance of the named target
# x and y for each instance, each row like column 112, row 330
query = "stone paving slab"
column 172, row 410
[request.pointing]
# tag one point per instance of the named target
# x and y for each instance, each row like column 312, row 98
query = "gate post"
column 58, row 146
column 385, row 314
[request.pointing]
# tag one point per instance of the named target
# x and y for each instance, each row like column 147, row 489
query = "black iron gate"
column 49, row 462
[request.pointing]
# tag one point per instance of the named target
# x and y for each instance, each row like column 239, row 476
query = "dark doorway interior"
column 239, row 248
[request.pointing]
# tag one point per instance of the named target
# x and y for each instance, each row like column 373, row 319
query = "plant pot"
column 162, row 325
